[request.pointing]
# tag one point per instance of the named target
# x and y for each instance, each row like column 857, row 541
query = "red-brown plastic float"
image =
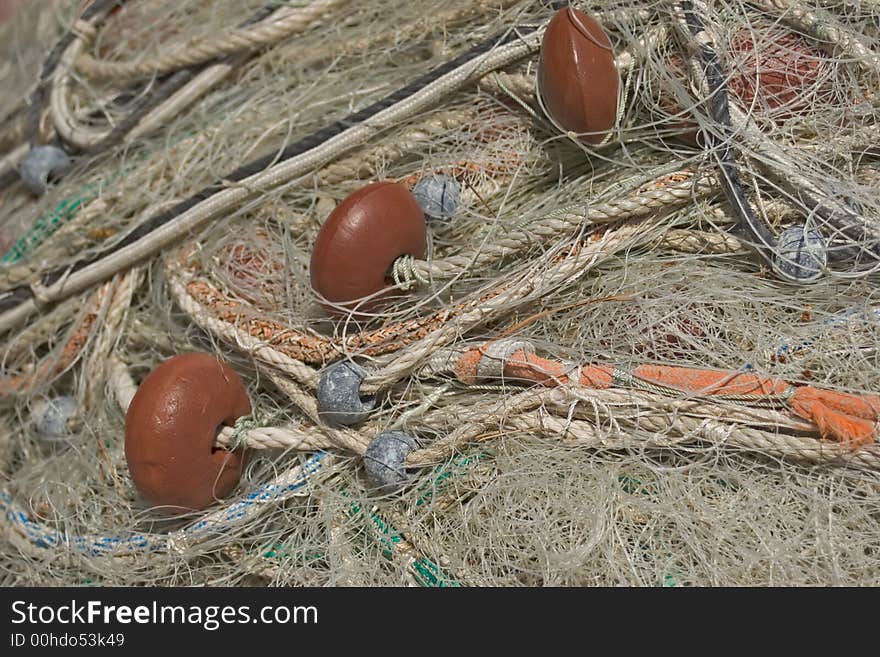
column 170, row 429
column 577, row 76
column 360, row 241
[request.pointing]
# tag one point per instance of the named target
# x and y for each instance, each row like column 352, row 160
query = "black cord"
column 846, row 222
column 748, row 223
column 166, row 87
column 11, row 298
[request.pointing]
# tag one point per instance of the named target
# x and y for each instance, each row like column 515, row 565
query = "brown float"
column 361, row 239
column 170, row 430
column 577, row 76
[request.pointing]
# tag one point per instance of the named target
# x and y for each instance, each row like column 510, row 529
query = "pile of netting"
column 646, row 355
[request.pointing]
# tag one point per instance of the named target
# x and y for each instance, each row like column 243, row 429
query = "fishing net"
column 616, row 364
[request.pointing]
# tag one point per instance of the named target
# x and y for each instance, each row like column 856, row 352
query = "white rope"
column 283, row 172
column 303, row 374
column 282, row 24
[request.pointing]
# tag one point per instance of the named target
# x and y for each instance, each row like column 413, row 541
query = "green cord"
column 44, row 227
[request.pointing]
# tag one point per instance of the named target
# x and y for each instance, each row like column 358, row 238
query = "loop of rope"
column 247, row 38
column 406, row 274
column 85, row 30
column 243, row 425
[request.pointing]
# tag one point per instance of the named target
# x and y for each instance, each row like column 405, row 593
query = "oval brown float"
column 577, row 76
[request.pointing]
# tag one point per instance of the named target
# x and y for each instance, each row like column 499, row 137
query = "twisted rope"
column 248, row 430
column 655, row 198
column 284, row 23
column 760, row 430
column 177, row 92
column 37, row 536
column 189, row 215
column 728, row 116
column 405, row 273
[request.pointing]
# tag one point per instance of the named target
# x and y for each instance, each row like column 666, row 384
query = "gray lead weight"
column 39, row 164
column 438, row 195
column 339, row 400
column 52, row 417
column 800, row 255
column 384, row 459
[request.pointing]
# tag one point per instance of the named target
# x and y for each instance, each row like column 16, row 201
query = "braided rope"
column 655, row 198
column 294, row 482
column 405, row 273
column 70, row 239
column 542, row 278
column 247, row 431
column 698, row 241
column 415, row 340
column 771, row 443
column 54, row 365
column 112, row 325
column 184, row 87
column 250, row 344
column 774, row 157
column 284, row 23
column 195, row 215
column 776, row 161
column 651, row 411
column 65, row 123
column 295, row 437
column 121, row 383
column 286, row 348
column 346, row 439
column 709, row 429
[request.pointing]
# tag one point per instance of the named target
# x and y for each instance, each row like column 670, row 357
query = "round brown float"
column 170, row 429
column 360, row 241
column 577, row 76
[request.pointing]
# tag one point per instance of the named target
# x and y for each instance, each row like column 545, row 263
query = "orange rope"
column 849, row 419
column 55, row 365
column 51, row 367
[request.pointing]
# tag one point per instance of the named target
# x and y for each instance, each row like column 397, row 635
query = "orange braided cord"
column 530, row 367
column 465, row 367
column 846, row 418
column 526, row 366
column 711, row 383
column 319, row 350
column 50, row 367
column 849, row 419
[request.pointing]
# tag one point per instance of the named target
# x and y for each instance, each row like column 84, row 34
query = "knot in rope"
column 85, row 30
column 243, row 425
column 406, row 274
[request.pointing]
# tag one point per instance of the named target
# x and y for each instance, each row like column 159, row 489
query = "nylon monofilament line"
column 186, row 79
column 497, row 327
column 159, row 231
column 843, row 218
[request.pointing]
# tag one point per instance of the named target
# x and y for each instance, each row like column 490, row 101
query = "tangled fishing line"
column 630, row 337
